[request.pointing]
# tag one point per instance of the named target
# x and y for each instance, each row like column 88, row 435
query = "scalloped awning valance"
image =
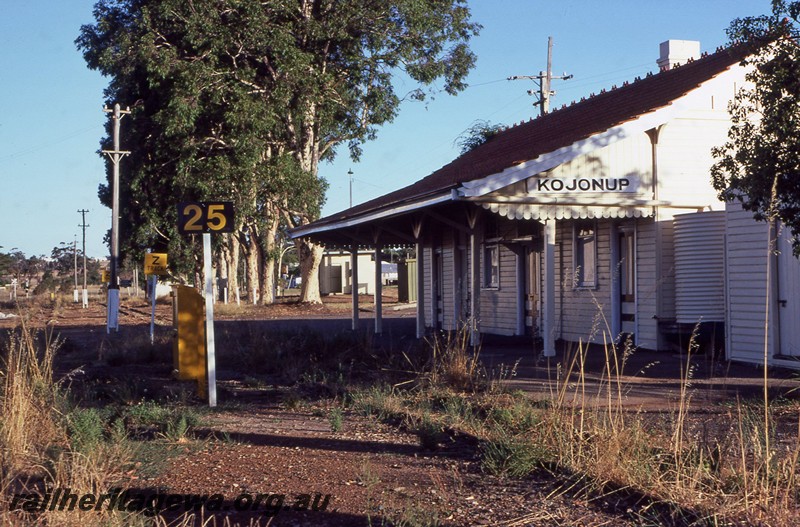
column 528, row 211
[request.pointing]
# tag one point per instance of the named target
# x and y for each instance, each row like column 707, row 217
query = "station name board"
column 537, row 185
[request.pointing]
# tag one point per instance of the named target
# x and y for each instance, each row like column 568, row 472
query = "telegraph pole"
column 115, row 156
column 544, row 80
column 83, row 226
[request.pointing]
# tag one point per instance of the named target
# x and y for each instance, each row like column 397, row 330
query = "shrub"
column 85, row 427
column 429, row 432
column 336, row 419
column 511, row 455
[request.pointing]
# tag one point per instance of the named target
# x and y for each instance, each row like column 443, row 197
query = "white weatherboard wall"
column 647, row 284
column 684, row 158
column 746, row 286
column 581, row 311
column 699, row 267
column 499, row 305
column 762, row 287
column 788, row 296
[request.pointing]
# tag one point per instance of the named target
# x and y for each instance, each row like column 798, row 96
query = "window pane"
column 585, row 253
column 491, row 266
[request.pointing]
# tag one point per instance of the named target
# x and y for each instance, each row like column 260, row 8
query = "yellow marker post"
column 189, row 349
column 155, row 265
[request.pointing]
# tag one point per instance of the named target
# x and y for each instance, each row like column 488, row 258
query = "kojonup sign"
column 550, row 185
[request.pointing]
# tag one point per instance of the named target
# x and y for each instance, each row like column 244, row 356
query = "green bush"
column 511, row 455
column 85, row 427
column 336, row 419
column 429, row 432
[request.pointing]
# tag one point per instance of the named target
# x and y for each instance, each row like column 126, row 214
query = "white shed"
column 335, row 274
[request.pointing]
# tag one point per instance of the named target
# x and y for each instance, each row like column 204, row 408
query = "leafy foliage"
column 242, row 100
column 477, row 134
column 759, row 165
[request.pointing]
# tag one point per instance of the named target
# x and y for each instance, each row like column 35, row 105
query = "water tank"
column 699, row 267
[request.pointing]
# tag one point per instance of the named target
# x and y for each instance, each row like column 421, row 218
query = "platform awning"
column 563, row 209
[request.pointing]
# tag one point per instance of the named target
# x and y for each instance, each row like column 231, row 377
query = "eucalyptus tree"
column 243, row 99
column 759, row 165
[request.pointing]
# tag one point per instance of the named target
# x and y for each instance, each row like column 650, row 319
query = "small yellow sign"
column 155, row 263
column 105, row 276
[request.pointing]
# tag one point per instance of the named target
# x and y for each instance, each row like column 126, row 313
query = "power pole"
column 544, row 80
column 115, row 155
column 83, row 226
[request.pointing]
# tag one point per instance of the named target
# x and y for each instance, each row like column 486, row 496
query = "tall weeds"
column 672, row 467
column 35, row 448
column 28, row 398
column 453, row 363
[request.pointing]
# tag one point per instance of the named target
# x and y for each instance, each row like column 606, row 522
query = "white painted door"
column 788, row 296
column 627, row 280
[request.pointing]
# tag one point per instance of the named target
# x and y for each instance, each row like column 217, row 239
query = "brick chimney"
column 677, row 52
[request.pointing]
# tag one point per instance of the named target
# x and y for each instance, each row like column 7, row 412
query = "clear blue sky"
column 51, row 116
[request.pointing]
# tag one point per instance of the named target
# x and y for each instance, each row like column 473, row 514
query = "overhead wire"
column 602, row 77
column 48, row 144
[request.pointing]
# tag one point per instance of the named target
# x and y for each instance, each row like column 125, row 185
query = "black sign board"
column 196, row 217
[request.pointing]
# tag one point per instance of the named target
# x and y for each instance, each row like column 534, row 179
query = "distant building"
column 336, row 277
column 335, row 273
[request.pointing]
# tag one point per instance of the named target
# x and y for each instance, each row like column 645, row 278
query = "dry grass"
column 35, row 452
column 28, row 425
column 671, row 469
column 667, row 469
column 453, row 362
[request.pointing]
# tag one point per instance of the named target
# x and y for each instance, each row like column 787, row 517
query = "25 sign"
column 195, row 217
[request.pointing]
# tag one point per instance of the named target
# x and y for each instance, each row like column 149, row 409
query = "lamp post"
column 350, row 173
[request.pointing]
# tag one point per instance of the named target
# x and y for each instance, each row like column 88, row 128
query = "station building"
column 593, row 222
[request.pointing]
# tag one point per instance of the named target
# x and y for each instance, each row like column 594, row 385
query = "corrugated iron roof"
column 560, row 128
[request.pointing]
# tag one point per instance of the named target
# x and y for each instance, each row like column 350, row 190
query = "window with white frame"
column 491, row 252
column 491, row 265
column 585, row 253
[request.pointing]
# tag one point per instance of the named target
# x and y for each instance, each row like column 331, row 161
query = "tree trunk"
column 222, row 270
column 308, row 253
column 253, row 259
column 232, row 247
column 310, row 256
column 267, row 245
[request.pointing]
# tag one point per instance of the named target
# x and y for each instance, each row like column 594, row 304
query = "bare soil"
column 260, row 440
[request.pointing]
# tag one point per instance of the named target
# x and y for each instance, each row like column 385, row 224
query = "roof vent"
column 675, row 52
